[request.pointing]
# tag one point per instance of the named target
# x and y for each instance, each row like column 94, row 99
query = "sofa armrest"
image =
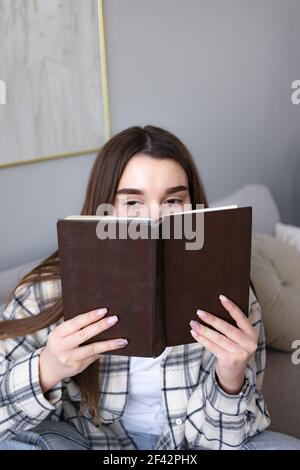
column 281, row 387
column 10, row 277
column 265, row 212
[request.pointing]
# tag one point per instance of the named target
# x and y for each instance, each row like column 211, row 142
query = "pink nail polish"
column 194, row 324
column 112, row 320
column 223, row 297
column 100, row 312
column 202, row 314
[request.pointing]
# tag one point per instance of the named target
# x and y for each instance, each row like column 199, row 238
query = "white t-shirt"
column 144, row 410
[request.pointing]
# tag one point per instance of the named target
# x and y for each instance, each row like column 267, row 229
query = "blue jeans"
column 48, row 435
column 266, row 440
column 63, row 436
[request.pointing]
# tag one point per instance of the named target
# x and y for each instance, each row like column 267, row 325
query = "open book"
column 155, row 283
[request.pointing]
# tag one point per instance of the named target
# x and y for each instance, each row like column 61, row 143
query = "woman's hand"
column 63, row 356
column 232, row 346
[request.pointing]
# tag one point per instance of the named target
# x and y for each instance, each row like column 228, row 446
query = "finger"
column 93, row 349
column 231, row 331
column 216, row 337
column 236, row 313
column 88, row 332
column 80, row 321
column 209, row 345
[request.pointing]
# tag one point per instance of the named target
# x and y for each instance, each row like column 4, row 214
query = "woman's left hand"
column 232, row 346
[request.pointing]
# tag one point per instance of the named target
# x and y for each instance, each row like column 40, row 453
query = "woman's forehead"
column 145, row 172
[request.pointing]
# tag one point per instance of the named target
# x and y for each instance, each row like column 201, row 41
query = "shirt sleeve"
column 217, row 420
column 22, row 402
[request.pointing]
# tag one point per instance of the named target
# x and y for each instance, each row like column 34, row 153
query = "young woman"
column 56, row 393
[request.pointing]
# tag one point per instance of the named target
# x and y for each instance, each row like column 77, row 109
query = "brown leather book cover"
column 155, row 284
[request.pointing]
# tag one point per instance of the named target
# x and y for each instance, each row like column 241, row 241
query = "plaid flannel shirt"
column 199, row 413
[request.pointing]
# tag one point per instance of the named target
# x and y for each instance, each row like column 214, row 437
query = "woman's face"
column 150, row 186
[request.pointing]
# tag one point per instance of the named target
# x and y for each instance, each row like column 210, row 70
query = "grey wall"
column 215, row 72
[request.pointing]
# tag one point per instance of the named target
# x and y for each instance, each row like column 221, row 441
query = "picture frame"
column 94, row 126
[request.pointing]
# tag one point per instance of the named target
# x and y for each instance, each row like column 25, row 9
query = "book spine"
column 158, row 307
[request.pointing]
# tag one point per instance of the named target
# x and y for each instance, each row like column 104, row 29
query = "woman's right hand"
column 63, row 356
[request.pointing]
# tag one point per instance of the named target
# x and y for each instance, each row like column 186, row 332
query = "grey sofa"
column 282, row 379
column 281, row 386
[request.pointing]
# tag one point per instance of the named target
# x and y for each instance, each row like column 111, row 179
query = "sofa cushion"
column 288, row 233
column 275, row 273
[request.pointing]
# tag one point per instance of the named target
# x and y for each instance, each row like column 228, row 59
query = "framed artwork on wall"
column 53, row 64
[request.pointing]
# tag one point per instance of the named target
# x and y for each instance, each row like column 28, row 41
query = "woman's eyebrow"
column 129, row 191
column 173, row 189
column 176, row 189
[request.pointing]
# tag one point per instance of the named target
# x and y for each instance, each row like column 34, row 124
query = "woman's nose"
column 155, row 212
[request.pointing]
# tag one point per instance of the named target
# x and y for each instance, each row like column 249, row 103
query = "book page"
column 111, row 217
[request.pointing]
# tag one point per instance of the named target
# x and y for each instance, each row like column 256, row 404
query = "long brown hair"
column 102, row 185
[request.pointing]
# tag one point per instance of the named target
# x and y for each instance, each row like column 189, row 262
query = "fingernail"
column 111, row 320
column 101, row 311
column 223, row 297
column 202, row 314
column 193, row 333
column 122, row 342
column 194, row 324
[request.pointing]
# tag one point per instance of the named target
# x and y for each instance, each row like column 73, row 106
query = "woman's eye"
column 132, row 203
column 174, row 201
